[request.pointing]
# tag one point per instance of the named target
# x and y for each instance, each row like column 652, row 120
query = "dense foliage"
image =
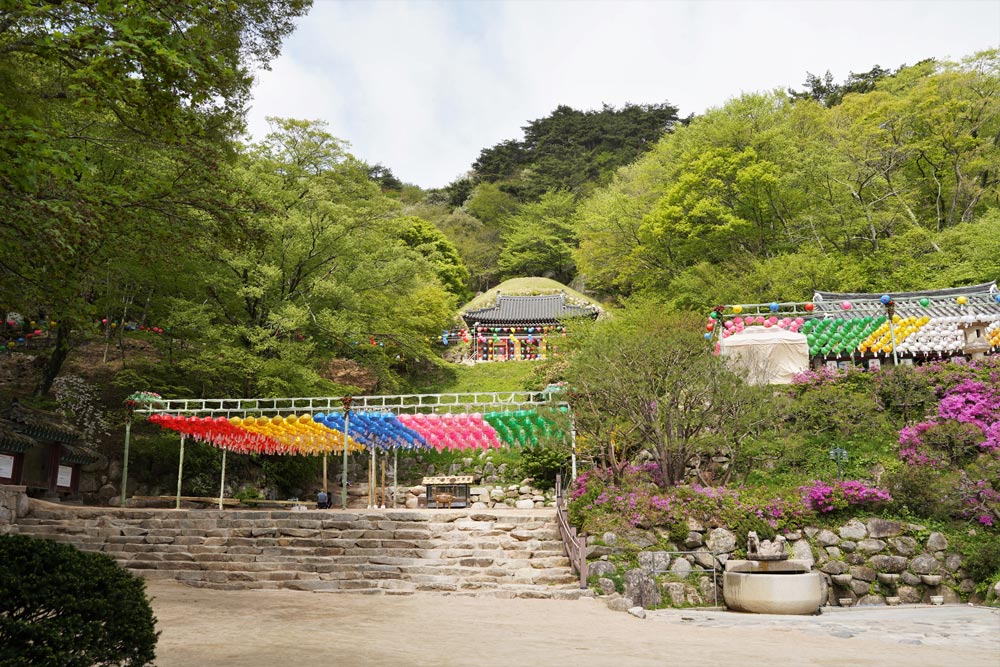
column 645, row 381
column 888, row 183
column 117, row 120
column 62, row 606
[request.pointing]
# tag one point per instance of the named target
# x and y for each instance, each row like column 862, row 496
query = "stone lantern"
column 976, row 343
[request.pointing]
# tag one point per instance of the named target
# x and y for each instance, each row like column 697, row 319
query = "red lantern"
column 710, row 326
column 809, row 307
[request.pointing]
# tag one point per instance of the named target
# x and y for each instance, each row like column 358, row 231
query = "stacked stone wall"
column 863, row 562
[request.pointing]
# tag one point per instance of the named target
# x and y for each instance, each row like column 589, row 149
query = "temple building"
column 522, row 327
column 40, row 452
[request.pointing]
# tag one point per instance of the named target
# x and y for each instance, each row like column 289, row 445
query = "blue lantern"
column 774, row 307
column 708, row 336
column 885, row 299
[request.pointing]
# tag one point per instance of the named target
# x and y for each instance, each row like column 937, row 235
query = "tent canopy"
column 768, row 355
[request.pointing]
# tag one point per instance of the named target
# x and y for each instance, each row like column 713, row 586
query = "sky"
column 422, row 86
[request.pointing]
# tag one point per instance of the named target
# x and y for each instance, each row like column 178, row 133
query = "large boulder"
column 802, row 551
column 601, row 568
column 924, row 564
column 937, row 542
column 853, row 530
column 881, row 528
column 721, row 541
column 826, row 538
column 642, row 589
column 890, row 564
column 654, row 561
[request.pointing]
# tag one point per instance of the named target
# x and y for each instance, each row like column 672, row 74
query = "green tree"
column 540, row 239
column 321, row 266
column 116, row 117
column 647, row 380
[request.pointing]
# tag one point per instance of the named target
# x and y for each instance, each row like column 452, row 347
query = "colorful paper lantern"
column 846, row 305
column 774, row 307
column 962, row 300
column 885, row 299
column 809, row 307
column 739, row 309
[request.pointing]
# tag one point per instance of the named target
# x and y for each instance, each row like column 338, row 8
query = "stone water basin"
column 772, row 587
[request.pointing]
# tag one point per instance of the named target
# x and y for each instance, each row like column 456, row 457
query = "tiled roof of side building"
column 543, row 308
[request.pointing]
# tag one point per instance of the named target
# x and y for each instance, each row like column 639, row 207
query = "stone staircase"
column 497, row 553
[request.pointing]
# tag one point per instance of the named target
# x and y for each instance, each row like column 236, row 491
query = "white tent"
column 768, row 355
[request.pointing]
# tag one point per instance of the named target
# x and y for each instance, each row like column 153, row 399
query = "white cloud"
column 423, row 86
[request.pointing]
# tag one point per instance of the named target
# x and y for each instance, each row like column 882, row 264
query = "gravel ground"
column 284, row 628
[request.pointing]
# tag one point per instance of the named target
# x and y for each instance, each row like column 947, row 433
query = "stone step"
column 453, row 552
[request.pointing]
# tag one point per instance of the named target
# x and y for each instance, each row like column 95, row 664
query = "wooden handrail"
column 574, row 545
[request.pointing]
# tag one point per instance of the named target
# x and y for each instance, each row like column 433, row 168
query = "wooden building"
column 38, row 450
column 522, row 327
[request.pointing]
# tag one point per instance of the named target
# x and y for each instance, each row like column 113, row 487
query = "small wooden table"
column 455, row 486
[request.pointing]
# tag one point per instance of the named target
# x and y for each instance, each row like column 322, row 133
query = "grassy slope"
column 457, row 378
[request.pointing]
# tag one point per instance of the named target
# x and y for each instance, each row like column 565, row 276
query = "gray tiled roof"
column 981, row 303
column 548, row 308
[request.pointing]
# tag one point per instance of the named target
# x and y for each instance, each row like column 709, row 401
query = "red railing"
column 574, row 545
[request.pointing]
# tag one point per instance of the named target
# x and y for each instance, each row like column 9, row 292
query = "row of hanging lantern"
column 914, row 334
column 323, row 433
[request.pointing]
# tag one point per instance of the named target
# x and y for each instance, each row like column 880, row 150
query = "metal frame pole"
column 180, row 474
column 343, row 473
column 222, row 483
column 395, row 479
column 326, row 484
column 128, row 435
column 572, row 436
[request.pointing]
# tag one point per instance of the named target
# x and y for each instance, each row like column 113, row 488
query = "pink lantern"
column 760, row 319
column 846, row 305
column 738, row 321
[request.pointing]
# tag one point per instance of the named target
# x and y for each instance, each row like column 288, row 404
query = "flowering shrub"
column 80, row 401
column 636, row 501
column 967, row 421
column 824, row 498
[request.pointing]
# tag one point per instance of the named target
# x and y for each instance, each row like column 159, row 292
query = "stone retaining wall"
column 14, row 503
column 514, row 496
column 864, row 563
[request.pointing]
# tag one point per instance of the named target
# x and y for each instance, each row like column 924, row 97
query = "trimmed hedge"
column 63, row 607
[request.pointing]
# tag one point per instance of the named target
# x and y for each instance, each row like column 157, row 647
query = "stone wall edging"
column 865, row 563
column 14, row 503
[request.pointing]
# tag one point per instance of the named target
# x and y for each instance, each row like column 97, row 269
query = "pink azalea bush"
column 823, row 497
column 637, row 502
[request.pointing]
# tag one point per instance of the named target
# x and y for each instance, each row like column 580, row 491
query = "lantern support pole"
column 371, row 478
column 395, row 479
column 180, row 473
column 343, row 473
column 326, row 484
column 572, row 437
column 890, row 308
column 128, row 436
column 222, row 483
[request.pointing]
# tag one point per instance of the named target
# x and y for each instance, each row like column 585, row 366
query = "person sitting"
column 323, row 500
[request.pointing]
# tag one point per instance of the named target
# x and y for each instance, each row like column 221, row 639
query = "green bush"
column 542, row 464
column 63, row 607
column 981, row 556
column 923, row 491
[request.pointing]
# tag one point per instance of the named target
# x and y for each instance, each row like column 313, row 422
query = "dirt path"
column 207, row 628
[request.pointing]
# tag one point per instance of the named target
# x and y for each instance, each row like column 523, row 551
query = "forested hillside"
column 887, row 182
column 141, row 232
